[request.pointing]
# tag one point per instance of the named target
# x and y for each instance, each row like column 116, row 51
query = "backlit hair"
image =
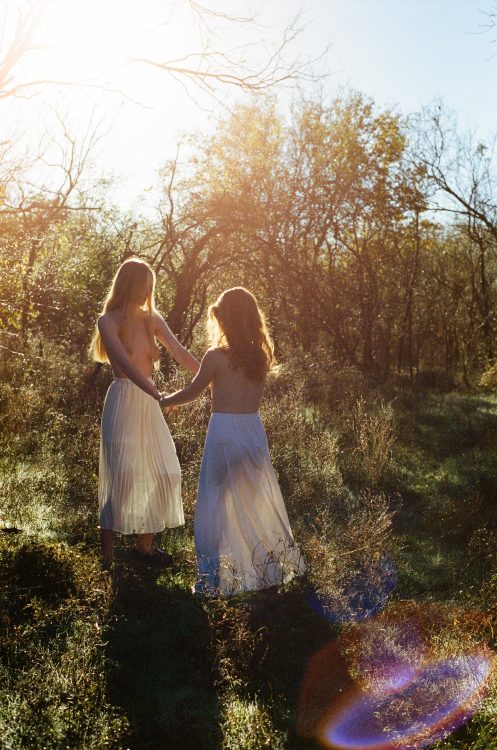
column 236, row 322
column 126, row 291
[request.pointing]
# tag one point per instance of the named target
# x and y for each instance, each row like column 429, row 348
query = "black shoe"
column 155, row 555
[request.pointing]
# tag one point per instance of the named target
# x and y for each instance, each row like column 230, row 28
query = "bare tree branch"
column 22, row 42
column 203, row 11
column 53, row 195
column 460, row 173
column 214, row 65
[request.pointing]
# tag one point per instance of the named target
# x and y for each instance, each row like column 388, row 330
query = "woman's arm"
column 118, row 355
column 169, row 340
column 198, row 384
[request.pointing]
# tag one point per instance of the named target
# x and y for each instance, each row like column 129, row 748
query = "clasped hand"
column 167, row 409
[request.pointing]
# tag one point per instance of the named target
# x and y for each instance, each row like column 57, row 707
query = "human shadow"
column 283, row 632
column 160, row 673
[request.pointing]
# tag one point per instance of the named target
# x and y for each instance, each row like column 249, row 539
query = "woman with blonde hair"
column 139, row 485
column 243, row 538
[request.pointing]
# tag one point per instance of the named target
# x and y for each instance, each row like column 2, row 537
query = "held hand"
column 167, row 409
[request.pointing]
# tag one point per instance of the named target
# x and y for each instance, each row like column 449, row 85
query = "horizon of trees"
column 370, row 239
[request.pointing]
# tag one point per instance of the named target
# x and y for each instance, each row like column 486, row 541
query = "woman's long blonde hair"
column 128, row 288
column 236, row 322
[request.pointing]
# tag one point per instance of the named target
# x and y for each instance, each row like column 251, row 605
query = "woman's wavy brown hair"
column 236, row 323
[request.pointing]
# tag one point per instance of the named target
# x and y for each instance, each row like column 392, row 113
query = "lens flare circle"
column 400, row 681
column 433, row 703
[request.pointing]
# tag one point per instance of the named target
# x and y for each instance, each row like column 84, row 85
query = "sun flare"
column 82, row 40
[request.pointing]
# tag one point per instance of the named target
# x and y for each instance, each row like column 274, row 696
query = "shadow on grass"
column 453, row 423
column 286, row 633
column 446, row 473
column 160, row 670
column 446, row 469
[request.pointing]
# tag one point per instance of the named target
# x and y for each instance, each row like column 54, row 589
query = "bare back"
column 233, row 392
column 138, row 344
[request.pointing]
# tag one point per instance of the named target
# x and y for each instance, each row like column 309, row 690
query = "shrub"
column 369, row 435
column 347, row 550
column 303, row 446
column 489, row 378
column 246, row 725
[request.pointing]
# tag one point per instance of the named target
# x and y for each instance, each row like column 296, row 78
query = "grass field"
column 391, row 494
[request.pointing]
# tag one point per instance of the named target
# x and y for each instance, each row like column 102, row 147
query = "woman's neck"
column 133, row 310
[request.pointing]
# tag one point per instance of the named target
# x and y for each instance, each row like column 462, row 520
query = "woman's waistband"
column 128, row 380
column 230, row 414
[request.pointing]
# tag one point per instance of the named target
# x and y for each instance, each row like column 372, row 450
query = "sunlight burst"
column 84, row 40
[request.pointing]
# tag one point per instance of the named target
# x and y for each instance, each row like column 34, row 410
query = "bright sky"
column 408, row 52
column 402, row 53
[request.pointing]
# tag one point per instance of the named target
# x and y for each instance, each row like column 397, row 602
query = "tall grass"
column 52, row 645
column 384, row 487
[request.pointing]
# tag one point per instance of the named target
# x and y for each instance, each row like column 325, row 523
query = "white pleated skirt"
column 139, row 487
column 243, row 539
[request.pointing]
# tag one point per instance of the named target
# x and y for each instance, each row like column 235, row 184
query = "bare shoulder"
column 157, row 317
column 216, row 354
column 160, row 325
column 108, row 321
column 212, row 359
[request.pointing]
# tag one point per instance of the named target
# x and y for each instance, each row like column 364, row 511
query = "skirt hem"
column 129, row 533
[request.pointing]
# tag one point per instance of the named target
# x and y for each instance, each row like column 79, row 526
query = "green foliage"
column 248, row 726
column 488, row 378
column 158, row 657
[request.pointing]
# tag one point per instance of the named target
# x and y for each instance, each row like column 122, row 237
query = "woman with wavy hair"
column 243, row 539
column 139, row 486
